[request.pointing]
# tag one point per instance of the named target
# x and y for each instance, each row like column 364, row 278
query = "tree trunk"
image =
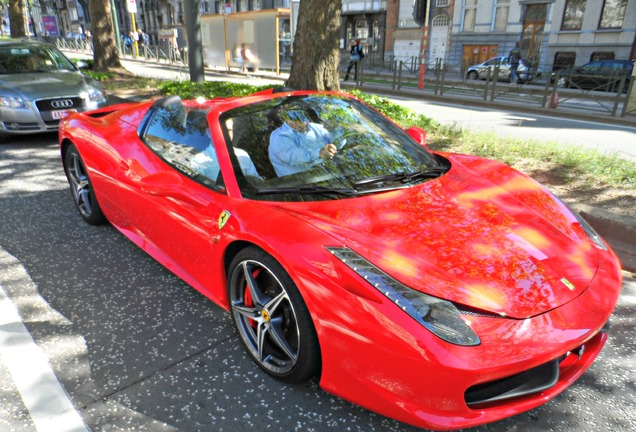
column 105, row 51
column 16, row 16
column 316, row 55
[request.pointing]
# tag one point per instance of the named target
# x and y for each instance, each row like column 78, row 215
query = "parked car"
column 604, row 75
column 480, row 71
column 39, row 86
column 442, row 290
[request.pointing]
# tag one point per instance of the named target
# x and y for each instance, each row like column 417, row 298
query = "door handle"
column 123, row 165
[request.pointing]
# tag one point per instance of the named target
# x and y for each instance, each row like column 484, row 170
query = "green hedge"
column 211, row 89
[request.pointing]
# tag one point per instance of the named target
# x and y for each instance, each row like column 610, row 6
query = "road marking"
column 43, row 395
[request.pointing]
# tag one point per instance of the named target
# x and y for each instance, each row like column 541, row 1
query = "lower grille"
column 531, row 381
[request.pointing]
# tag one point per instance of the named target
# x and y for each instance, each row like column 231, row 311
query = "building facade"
column 364, row 20
column 552, row 33
column 405, row 36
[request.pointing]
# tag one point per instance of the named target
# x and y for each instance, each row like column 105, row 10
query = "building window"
column 470, row 14
column 602, row 55
column 564, row 60
column 573, row 14
column 613, row 14
column 440, row 20
column 501, row 15
column 376, row 35
column 362, row 29
column 442, row 3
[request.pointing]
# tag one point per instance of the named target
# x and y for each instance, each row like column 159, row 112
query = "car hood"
column 38, row 85
column 482, row 235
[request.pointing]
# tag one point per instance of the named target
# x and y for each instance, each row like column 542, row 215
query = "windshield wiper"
column 403, row 177
column 309, row 190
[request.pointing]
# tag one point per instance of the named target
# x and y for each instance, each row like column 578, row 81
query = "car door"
column 172, row 203
column 588, row 75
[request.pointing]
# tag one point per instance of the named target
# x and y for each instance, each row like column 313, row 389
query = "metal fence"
column 156, row 53
column 600, row 95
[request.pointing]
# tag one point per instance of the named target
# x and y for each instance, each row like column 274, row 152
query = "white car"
column 480, row 71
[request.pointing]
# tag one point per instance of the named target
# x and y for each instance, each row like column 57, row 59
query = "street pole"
column 134, row 29
column 115, row 25
column 420, row 83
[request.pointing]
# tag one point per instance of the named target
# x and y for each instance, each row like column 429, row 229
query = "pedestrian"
column 357, row 54
column 126, row 40
column 250, row 61
column 514, row 57
column 140, row 37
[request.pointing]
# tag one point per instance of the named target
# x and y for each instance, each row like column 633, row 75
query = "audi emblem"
column 63, row 103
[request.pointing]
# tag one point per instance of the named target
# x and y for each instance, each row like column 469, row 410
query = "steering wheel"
column 350, row 143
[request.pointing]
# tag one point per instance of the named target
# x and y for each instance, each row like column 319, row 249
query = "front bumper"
column 41, row 116
column 383, row 361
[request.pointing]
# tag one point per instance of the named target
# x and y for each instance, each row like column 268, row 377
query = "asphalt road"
column 609, row 138
column 108, row 340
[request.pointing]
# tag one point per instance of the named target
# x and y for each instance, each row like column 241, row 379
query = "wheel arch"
column 233, row 249
column 64, row 145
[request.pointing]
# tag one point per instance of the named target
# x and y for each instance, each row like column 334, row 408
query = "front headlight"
column 96, row 95
column 592, row 234
column 13, row 102
column 439, row 316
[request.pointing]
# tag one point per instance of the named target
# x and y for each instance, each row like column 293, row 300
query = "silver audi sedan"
column 39, row 86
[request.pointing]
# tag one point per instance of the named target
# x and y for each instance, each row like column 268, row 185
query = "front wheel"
column 473, row 75
column 81, row 187
column 271, row 317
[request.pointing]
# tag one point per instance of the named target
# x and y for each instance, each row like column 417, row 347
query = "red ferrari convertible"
column 441, row 290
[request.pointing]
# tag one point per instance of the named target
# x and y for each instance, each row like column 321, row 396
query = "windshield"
column 321, row 147
column 28, row 58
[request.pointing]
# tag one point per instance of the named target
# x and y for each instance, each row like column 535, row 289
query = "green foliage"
column 403, row 116
column 88, row 62
column 99, row 76
column 578, row 161
column 208, row 89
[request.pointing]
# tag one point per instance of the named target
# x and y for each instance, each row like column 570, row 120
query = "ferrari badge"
column 225, row 216
column 568, row 284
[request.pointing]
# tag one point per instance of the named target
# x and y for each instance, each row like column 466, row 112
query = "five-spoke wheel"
column 271, row 317
column 81, row 188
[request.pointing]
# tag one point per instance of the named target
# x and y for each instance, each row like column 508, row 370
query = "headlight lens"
column 591, row 233
column 12, row 102
column 95, row 94
column 596, row 239
column 439, row 316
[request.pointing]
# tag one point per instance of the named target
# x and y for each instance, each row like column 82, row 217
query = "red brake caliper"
column 247, row 298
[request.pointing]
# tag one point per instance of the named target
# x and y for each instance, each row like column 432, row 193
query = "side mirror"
column 418, row 134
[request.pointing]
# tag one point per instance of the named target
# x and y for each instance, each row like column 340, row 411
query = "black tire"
column 473, row 75
column 271, row 317
column 82, row 188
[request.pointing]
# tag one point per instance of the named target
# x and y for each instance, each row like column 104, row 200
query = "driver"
column 298, row 143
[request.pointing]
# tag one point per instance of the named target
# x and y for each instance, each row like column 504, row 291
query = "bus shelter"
column 265, row 33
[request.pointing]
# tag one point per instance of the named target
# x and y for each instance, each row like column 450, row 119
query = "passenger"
column 206, row 161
